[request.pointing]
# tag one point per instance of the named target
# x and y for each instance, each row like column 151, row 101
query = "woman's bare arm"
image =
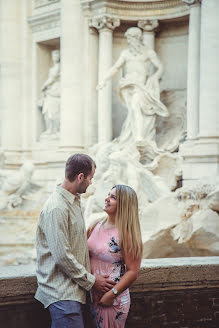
column 132, row 270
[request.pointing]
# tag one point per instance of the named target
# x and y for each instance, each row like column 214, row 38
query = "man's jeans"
column 66, row 314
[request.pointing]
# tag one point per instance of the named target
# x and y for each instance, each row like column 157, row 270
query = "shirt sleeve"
column 56, row 232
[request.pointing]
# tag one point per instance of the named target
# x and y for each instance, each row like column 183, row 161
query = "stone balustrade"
column 173, row 292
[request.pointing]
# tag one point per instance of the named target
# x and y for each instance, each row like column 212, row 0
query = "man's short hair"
column 76, row 164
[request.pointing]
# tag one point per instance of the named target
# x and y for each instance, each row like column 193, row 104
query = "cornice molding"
column 192, row 2
column 46, row 21
column 135, row 10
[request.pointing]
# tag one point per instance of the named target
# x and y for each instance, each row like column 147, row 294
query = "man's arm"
column 55, row 228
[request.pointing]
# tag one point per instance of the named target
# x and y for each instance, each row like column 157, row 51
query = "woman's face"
column 111, row 202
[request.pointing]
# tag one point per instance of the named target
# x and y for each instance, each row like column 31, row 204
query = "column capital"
column 104, row 22
column 148, row 25
column 192, row 2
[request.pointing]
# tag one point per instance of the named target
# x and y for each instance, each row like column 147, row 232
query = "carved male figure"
column 51, row 96
column 138, row 90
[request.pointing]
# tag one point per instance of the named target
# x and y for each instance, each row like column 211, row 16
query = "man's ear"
column 80, row 177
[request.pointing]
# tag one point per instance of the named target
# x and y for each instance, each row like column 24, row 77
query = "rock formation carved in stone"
column 191, row 227
column 15, row 186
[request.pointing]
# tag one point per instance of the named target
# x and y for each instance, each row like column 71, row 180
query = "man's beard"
column 82, row 189
column 136, row 48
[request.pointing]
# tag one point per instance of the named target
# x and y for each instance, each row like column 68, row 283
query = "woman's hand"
column 107, row 299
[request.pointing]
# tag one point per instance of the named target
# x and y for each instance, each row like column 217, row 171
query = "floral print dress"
column 106, row 259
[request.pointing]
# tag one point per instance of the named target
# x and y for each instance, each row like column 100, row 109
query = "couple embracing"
column 73, row 263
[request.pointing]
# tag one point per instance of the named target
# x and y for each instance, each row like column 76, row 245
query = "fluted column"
column 193, row 75
column 148, row 26
column 105, row 25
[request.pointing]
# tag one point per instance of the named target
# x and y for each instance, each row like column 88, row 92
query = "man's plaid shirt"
column 62, row 254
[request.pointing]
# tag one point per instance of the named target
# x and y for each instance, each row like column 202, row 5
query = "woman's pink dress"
column 106, row 259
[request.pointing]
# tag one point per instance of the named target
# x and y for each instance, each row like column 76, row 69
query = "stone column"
column 201, row 159
column 193, row 75
column 27, row 115
column 92, row 102
column 148, row 26
column 105, row 25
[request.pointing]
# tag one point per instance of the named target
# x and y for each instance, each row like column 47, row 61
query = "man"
column 62, row 254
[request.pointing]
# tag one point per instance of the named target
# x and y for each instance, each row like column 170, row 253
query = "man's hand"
column 103, row 284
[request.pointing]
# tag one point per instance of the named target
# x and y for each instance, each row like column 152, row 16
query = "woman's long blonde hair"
column 127, row 221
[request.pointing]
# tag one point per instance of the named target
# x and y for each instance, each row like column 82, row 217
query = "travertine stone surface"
column 209, row 70
column 16, row 185
column 72, row 69
column 195, row 231
column 105, row 26
column 148, row 27
column 155, row 274
column 189, row 286
column 193, row 76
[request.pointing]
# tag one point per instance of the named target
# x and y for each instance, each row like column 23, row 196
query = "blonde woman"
column 115, row 249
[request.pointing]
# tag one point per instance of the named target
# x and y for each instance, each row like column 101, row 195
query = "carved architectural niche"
column 135, row 10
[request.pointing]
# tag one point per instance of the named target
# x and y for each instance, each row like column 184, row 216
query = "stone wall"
column 179, row 292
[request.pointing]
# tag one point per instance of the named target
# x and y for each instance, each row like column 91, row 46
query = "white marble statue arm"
column 156, row 62
column 111, row 72
column 53, row 76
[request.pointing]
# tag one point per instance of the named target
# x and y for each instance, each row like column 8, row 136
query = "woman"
column 115, row 249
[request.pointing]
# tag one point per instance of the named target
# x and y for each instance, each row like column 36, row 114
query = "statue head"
column 134, row 32
column 55, row 55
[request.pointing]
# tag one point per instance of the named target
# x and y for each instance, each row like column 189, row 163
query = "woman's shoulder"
column 93, row 226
